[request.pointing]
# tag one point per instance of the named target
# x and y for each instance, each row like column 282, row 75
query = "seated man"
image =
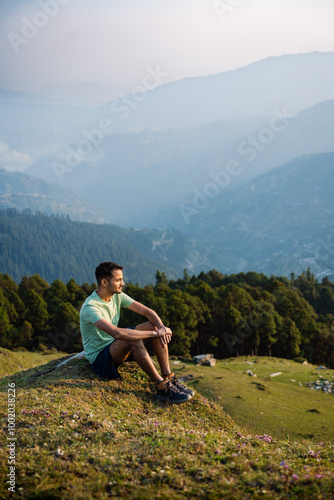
column 107, row 346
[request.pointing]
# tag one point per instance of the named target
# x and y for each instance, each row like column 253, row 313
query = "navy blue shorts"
column 104, row 365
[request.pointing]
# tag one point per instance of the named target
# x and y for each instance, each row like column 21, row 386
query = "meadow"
column 282, row 406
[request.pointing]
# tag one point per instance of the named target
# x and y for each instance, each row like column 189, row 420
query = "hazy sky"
column 114, row 40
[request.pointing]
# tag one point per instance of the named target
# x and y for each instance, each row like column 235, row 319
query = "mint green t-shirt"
column 93, row 309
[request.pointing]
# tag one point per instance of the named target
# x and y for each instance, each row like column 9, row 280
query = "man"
column 107, row 346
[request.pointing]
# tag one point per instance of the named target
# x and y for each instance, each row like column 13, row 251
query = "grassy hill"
column 81, row 437
column 14, row 361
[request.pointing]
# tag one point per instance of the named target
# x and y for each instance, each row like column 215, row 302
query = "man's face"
column 116, row 283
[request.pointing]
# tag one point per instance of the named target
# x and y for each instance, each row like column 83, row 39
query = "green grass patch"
column 81, row 437
column 14, row 361
column 281, row 406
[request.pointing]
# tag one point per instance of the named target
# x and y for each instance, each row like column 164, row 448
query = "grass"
column 281, row 406
column 14, row 361
column 81, row 437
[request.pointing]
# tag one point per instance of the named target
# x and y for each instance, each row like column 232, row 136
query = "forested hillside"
column 243, row 314
column 281, row 222
column 59, row 248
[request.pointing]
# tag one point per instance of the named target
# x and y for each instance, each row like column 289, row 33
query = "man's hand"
column 165, row 335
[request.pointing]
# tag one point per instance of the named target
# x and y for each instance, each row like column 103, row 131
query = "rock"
column 210, row 362
column 202, row 358
column 275, row 374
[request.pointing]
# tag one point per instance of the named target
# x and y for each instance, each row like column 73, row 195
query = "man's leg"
column 160, row 350
column 120, row 349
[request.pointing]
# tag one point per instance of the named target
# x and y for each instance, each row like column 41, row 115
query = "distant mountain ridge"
column 25, row 192
column 296, row 81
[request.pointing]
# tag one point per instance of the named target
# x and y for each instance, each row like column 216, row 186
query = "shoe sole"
column 173, row 401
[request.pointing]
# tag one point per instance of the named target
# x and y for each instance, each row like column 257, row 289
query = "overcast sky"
column 114, row 40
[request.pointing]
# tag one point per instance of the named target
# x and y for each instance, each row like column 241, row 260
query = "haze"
column 108, row 41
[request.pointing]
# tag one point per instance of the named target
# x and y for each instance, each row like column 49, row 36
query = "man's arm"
column 153, row 318
column 126, row 333
column 147, row 312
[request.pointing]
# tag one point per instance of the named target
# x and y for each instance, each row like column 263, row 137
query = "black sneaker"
column 169, row 393
column 181, row 387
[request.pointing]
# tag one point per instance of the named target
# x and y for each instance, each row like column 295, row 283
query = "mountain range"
column 181, row 161
column 240, row 161
column 39, row 126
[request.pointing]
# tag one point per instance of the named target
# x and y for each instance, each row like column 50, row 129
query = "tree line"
column 227, row 315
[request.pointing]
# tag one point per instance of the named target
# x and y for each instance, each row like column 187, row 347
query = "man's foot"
column 181, row 387
column 169, row 393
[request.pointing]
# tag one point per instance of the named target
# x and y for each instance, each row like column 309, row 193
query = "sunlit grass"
column 14, row 361
column 282, row 405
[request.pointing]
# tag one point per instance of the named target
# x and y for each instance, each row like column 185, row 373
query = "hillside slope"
column 15, row 361
column 58, row 248
column 81, row 437
column 279, row 223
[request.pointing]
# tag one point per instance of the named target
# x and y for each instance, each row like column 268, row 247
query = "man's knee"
column 146, row 326
column 138, row 345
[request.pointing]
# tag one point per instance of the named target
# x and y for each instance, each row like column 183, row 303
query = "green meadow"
column 14, row 361
column 282, row 406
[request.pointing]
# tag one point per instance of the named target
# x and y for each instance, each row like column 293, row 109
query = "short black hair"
column 105, row 270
